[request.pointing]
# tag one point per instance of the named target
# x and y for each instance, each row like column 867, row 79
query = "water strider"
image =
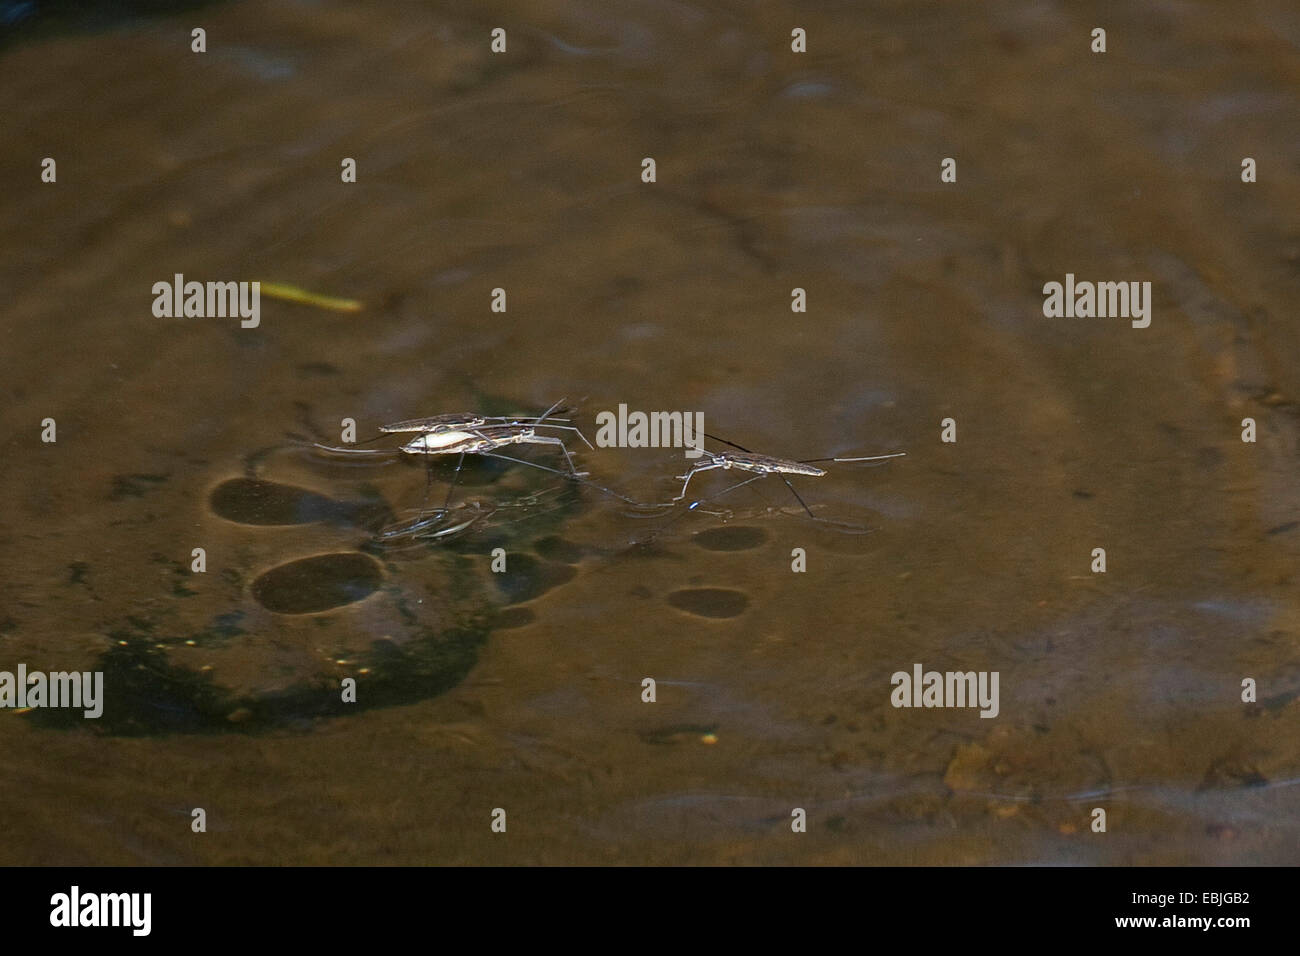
column 451, row 434
column 762, row 466
column 470, row 434
column 483, row 435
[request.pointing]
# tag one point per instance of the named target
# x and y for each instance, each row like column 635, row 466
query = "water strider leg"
column 568, row 428
column 691, row 474
column 797, row 498
column 577, row 476
column 559, row 442
column 455, row 478
column 724, row 491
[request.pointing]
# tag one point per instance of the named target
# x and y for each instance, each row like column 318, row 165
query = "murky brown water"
column 774, row 171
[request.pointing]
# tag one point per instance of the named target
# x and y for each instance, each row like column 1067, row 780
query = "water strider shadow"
column 406, row 627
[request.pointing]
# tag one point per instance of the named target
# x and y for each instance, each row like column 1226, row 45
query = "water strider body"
column 485, row 440
column 750, row 461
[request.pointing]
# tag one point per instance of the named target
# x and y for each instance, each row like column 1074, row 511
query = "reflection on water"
column 523, row 689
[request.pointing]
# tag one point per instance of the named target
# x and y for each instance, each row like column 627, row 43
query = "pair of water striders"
column 486, row 435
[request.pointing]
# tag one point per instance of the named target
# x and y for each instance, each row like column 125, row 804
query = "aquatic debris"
column 292, row 293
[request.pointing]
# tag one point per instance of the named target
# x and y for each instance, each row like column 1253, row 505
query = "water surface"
column 775, row 171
